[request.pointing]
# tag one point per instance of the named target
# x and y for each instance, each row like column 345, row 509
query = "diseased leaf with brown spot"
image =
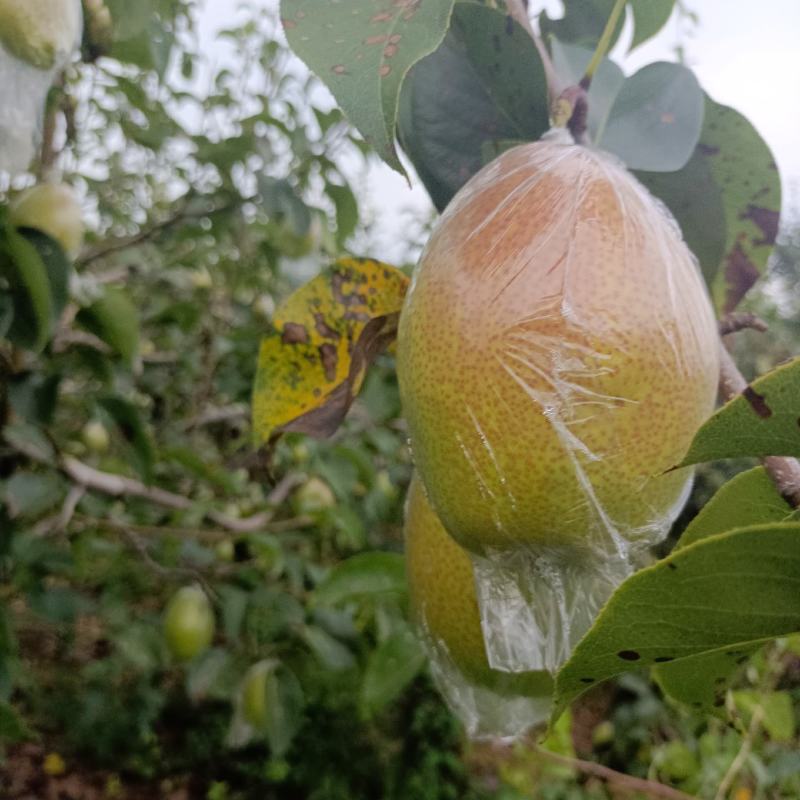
column 727, row 200
column 362, row 50
column 731, row 591
column 762, row 421
column 327, row 334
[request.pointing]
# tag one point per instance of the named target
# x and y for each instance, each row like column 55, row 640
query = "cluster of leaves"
column 127, row 468
column 447, row 79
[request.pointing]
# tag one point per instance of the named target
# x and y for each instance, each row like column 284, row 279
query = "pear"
column 53, row 209
column 40, row 32
column 556, row 353
column 444, row 604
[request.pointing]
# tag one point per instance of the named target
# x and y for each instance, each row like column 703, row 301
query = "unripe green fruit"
column 254, row 694
column 95, row 436
column 314, row 496
column 556, row 353
column 53, row 209
column 225, row 550
column 443, row 601
column 38, row 31
column 676, row 761
column 201, row 279
column 188, row 623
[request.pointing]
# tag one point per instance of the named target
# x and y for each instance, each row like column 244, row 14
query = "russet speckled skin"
column 556, row 353
column 443, row 600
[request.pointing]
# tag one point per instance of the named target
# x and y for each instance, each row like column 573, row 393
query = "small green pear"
column 40, row 32
column 188, row 623
column 53, row 209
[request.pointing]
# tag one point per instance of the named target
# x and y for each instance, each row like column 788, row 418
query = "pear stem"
column 604, row 43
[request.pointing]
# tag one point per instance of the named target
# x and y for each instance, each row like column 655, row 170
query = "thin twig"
column 784, row 471
column 741, row 320
column 199, row 534
column 744, row 751
column 517, row 9
column 121, row 486
column 214, row 415
column 620, row 779
column 145, row 234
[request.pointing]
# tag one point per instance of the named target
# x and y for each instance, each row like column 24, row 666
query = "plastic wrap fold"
column 556, row 353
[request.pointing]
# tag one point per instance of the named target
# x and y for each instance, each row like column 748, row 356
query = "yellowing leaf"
column 327, row 333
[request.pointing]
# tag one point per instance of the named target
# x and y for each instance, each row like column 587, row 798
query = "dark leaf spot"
column 294, row 333
column 587, row 680
column 757, row 402
column 664, row 659
column 629, row 655
column 323, row 329
column 767, row 221
column 671, row 565
column 327, row 352
column 740, row 275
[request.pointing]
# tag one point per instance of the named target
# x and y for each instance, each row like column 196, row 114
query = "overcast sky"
column 744, row 54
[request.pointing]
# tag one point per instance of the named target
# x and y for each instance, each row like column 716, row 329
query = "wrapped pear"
column 445, row 608
column 556, row 353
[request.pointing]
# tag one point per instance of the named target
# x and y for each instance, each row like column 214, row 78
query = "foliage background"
column 208, row 202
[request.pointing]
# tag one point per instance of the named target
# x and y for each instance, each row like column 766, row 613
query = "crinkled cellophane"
column 556, row 353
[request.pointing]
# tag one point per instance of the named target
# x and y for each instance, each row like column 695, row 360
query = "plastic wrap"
column 442, row 590
column 556, row 353
column 24, row 85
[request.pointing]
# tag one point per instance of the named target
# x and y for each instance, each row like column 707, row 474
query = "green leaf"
column 26, row 273
column 129, row 421
column 390, row 668
column 749, row 498
column 30, row 494
column 365, row 574
column 284, row 709
column 656, row 118
column 701, row 681
column 733, row 589
column 583, row 22
column 280, row 201
column 328, row 333
column 570, row 62
column 30, row 438
column 649, row 17
column 115, row 320
column 727, row 200
column 346, row 210
column 12, row 727
column 332, row 654
column 362, row 50
column 764, row 420
column 777, row 710
column 485, row 84
column 56, row 264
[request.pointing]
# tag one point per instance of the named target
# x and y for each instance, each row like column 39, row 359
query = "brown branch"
column 784, row 471
column 741, row 320
column 519, row 11
column 121, row 486
column 620, row 779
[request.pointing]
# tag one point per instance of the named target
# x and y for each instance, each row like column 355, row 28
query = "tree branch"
column 82, row 475
column 620, row 779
